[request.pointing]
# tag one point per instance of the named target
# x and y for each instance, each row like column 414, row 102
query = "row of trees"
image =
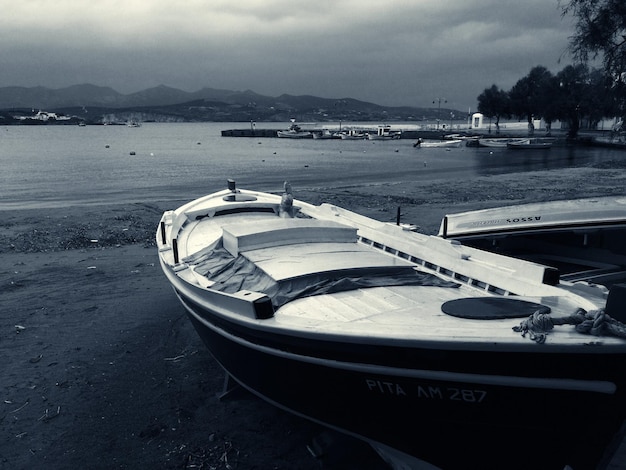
column 573, row 95
column 576, row 93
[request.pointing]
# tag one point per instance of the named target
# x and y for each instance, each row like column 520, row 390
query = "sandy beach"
column 102, row 369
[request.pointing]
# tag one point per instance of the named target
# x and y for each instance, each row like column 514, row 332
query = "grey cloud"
column 406, row 53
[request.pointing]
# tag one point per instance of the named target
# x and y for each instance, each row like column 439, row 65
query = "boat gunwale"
column 576, row 384
column 329, row 210
column 504, row 230
column 310, row 330
column 579, row 210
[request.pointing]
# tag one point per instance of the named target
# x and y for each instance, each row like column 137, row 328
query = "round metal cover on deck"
column 491, row 308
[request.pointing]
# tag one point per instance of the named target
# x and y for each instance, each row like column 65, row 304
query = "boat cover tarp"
column 233, row 274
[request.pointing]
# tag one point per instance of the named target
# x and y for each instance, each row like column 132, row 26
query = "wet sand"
column 102, row 369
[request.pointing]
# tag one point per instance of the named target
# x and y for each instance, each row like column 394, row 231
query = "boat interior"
column 596, row 254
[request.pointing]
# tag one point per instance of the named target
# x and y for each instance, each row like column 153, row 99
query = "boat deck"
column 292, row 249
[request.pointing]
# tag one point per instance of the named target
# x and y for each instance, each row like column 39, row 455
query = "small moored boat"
column 496, row 142
column 424, row 348
column 536, row 144
column 384, row 133
column 325, row 134
column 353, row 134
column 294, row 132
column 611, row 141
column 445, row 143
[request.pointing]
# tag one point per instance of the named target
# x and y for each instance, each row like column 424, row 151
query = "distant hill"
column 95, row 104
column 92, row 95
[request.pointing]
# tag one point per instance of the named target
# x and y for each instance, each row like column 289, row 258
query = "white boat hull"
column 359, row 325
column 453, row 143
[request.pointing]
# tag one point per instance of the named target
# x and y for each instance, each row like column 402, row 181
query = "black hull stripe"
column 596, row 386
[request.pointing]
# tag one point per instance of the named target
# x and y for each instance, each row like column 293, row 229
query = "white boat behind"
column 583, row 238
column 591, row 213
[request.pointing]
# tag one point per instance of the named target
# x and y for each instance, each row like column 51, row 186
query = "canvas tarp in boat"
column 232, row 274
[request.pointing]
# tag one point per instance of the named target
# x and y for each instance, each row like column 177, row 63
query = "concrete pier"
column 250, row 133
column 273, row 133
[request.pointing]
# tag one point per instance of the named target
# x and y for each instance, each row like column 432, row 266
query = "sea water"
column 54, row 166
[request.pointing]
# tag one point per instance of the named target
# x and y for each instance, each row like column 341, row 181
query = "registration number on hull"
column 430, row 392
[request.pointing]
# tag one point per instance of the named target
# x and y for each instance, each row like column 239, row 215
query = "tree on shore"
column 575, row 95
column 529, row 95
column 601, row 33
column 570, row 93
column 494, row 103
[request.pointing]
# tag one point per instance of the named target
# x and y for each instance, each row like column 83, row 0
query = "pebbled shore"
column 102, row 369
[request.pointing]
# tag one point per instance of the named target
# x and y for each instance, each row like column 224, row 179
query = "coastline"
column 103, row 369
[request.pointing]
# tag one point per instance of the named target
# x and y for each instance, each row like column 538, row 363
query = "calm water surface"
column 52, row 166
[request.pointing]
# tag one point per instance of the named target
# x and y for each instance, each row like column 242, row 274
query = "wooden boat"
column 445, row 143
column 427, row 349
column 612, row 141
column 384, row 133
column 497, row 142
column 353, row 134
column 325, row 134
column 294, row 132
column 583, row 238
column 535, row 144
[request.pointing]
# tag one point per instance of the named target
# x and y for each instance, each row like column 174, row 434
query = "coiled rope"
column 594, row 322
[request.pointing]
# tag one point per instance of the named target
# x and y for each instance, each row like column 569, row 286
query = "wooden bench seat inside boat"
column 292, row 261
column 240, row 237
column 292, row 248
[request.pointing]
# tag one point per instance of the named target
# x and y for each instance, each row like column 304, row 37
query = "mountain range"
column 96, row 103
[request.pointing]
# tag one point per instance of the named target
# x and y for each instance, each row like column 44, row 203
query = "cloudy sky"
column 393, row 52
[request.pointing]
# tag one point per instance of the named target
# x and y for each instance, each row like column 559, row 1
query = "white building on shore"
column 478, row 121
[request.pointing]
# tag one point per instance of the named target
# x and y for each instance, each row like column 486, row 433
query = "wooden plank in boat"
column 199, row 234
column 413, row 313
column 275, row 232
column 290, row 261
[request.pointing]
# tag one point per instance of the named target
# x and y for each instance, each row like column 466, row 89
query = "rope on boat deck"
column 594, row 322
